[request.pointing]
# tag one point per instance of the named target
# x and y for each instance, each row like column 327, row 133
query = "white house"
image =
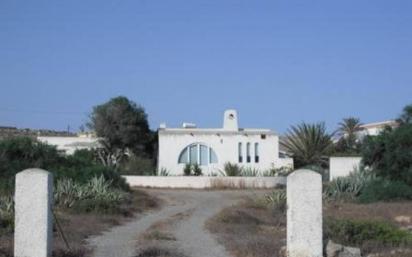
column 69, row 144
column 373, row 129
column 211, row 148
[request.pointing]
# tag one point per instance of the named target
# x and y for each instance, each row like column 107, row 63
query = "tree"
column 406, row 116
column 309, row 144
column 348, row 142
column 122, row 126
column 390, row 153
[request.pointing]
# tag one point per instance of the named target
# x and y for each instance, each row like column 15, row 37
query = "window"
column 256, row 152
column 204, row 155
column 263, row 136
column 240, row 154
column 198, row 154
column 212, row 156
column 193, row 154
column 248, row 152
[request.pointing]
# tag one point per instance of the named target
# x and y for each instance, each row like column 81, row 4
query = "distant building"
column 70, row 144
column 373, row 129
column 211, row 148
column 66, row 142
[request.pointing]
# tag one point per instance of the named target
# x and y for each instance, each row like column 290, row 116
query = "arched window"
column 198, row 154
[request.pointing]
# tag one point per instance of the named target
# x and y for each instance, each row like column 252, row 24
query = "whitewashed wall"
column 204, row 182
column 225, row 145
column 343, row 166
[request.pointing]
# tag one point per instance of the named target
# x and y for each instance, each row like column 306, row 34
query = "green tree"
column 390, row 153
column 122, row 126
column 348, row 142
column 406, row 116
column 309, row 144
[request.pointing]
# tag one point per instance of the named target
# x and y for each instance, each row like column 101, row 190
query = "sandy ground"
column 190, row 238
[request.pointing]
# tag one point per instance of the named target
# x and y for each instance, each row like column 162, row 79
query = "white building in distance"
column 373, row 129
column 211, row 148
column 69, row 144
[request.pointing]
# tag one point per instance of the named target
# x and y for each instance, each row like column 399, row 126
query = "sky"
column 277, row 62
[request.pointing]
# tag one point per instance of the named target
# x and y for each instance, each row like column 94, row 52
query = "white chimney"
column 230, row 121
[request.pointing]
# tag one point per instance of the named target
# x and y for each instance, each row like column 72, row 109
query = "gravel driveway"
column 190, row 238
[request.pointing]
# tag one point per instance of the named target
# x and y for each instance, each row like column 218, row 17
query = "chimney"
column 230, row 121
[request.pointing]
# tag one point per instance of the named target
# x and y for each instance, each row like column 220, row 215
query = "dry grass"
column 159, row 240
column 78, row 227
column 375, row 211
column 396, row 213
column 259, row 231
column 159, row 252
column 221, row 183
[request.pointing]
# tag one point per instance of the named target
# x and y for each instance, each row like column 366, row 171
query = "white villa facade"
column 212, row 148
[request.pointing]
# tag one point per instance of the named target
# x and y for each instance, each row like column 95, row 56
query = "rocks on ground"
column 337, row 250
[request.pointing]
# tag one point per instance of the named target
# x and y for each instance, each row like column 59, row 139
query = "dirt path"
column 188, row 234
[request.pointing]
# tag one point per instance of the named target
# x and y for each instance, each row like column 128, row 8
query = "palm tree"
column 309, row 144
column 347, row 131
column 349, row 126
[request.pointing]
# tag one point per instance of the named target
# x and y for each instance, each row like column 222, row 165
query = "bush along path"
column 176, row 230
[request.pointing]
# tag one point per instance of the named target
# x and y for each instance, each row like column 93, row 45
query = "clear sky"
column 277, row 62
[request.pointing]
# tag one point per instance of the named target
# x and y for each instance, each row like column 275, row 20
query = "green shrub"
column 192, row 170
column 322, row 171
column 21, row 153
column 231, row 170
column 187, row 170
column 274, row 172
column 385, row 190
column 136, row 165
column 164, row 172
column 358, row 232
column 84, row 174
column 390, row 153
column 101, row 206
column 197, row 170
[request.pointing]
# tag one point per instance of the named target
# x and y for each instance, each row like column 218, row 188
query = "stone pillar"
column 33, row 217
column 304, row 214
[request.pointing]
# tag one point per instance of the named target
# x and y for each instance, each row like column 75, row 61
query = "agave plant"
column 67, row 192
column 6, row 206
column 250, row 172
column 277, row 199
column 348, row 187
column 308, row 143
column 163, row 172
column 231, row 170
